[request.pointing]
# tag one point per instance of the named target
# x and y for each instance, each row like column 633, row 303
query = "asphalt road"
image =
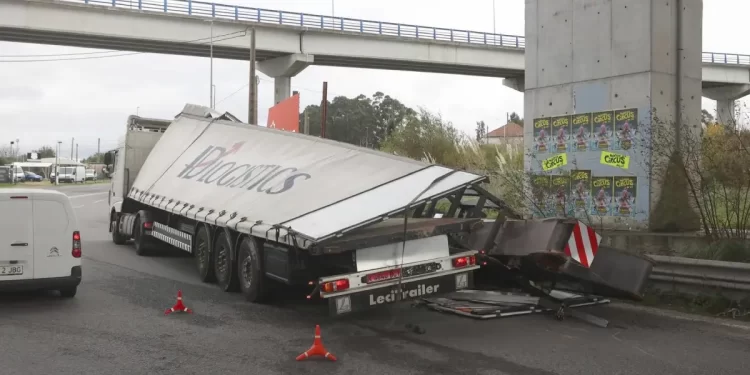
column 116, row 325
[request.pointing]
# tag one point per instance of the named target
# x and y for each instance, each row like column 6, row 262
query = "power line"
column 198, row 41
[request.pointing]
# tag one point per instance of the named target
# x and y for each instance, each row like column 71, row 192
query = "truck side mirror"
column 108, row 158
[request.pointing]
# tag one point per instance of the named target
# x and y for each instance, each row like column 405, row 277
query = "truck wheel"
column 204, row 255
column 139, row 239
column 117, row 238
column 251, row 278
column 226, row 274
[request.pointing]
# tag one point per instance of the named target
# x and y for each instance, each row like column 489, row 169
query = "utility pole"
column 18, row 150
column 72, row 142
column 252, row 105
column 76, row 160
column 98, row 146
column 324, row 110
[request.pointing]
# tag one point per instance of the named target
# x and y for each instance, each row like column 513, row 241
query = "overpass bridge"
column 288, row 42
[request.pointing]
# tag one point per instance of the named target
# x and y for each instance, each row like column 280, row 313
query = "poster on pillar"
column 604, row 130
column 285, row 115
column 626, row 125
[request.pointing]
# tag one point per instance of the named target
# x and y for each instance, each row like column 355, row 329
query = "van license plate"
column 11, row 270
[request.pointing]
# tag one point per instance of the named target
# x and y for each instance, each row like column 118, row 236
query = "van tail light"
column 148, row 224
column 335, row 286
column 462, row 262
column 76, row 245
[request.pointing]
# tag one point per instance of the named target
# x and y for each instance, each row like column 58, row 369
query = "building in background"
column 510, row 133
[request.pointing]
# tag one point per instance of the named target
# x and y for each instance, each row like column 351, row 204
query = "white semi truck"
column 257, row 206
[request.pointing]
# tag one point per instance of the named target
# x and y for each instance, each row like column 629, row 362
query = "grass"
column 715, row 305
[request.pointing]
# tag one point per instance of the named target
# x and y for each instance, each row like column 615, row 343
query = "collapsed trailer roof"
column 284, row 186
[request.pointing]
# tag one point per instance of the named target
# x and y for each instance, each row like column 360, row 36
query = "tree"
column 361, row 121
column 481, row 131
column 6, row 156
column 428, row 137
column 97, row 158
column 515, row 118
column 706, row 117
column 45, row 152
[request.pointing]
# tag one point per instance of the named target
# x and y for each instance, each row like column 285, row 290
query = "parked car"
column 31, row 176
column 90, row 175
column 41, row 247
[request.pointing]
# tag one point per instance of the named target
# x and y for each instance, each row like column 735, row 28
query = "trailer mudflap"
column 411, row 290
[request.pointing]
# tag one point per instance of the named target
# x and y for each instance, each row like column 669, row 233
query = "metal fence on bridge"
column 322, row 22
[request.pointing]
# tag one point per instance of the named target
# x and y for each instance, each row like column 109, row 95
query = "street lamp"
column 57, row 162
column 13, row 167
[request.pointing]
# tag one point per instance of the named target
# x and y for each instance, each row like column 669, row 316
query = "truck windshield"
column 66, row 170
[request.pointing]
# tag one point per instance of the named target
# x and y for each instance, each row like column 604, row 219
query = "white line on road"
column 100, row 201
column 86, row 195
column 78, row 206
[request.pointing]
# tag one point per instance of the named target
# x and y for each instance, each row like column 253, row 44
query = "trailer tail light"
column 382, row 276
column 462, row 262
column 76, row 245
column 335, row 286
column 148, row 224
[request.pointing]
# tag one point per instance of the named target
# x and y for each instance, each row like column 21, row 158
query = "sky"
column 89, row 100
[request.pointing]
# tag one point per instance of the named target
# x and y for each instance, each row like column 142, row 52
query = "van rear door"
column 16, row 237
column 54, row 224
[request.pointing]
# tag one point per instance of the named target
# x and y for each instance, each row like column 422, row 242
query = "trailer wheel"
column 117, row 237
column 249, row 271
column 203, row 255
column 226, row 274
column 139, row 239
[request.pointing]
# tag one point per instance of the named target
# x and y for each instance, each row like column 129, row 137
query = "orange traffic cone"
column 179, row 306
column 317, row 349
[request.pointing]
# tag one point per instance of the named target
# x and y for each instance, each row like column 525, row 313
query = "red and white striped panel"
column 583, row 244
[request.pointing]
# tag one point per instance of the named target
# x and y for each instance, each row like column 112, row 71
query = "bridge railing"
column 277, row 17
column 725, row 58
column 284, row 18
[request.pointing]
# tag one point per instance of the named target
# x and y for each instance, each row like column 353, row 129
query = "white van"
column 71, row 173
column 40, row 245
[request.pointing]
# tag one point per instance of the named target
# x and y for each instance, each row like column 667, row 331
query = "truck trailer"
column 258, row 206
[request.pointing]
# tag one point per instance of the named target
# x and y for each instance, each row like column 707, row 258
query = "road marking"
column 86, row 195
column 100, row 201
column 78, row 206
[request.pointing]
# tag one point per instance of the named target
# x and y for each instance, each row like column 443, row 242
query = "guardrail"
column 726, row 58
column 317, row 21
column 280, row 17
column 698, row 273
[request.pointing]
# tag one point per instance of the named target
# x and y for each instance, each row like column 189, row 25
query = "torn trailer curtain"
column 261, row 180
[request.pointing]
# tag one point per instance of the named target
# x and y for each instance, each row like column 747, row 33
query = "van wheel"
column 117, row 238
column 226, row 275
column 139, row 240
column 68, row 292
column 249, row 271
column 204, row 255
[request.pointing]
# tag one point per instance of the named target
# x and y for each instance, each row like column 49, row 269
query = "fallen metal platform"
column 482, row 304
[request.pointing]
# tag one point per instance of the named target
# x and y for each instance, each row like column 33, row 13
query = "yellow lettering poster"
column 554, row 162
column 615, row 160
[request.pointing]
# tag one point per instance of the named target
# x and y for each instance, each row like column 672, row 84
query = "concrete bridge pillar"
column 282, row 69
column 725, row 97
column 604, row 55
